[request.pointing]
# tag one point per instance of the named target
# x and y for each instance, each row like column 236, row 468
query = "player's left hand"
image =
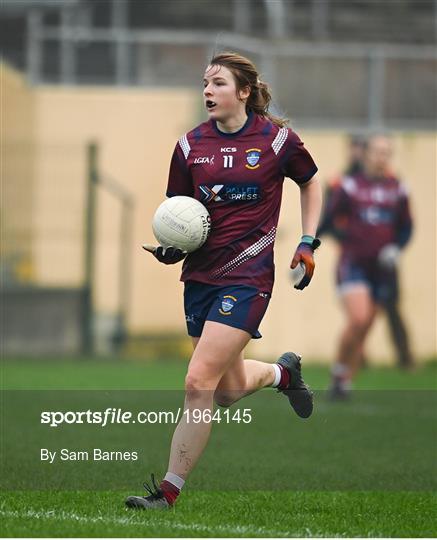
column 305, row 254
column 388, row 256
column 170, row 255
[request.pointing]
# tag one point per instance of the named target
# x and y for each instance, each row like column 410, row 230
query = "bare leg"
column 243, row 378
column 360, row 311
column 215, row 351
column 247, row 376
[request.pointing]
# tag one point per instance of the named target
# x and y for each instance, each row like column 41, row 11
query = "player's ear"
column 244, row 93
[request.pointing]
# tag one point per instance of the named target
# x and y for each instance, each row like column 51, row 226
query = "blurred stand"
column 330, row 63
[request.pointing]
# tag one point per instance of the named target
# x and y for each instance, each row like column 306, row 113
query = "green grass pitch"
column 264, row 512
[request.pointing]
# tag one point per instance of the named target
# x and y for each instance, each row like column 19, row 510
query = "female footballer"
column 373, row 207
column 235, row 164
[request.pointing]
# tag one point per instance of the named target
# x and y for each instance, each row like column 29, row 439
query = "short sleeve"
column 297, row 163
column 179, row 177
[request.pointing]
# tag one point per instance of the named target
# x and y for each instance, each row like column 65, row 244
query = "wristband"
column 307, row 239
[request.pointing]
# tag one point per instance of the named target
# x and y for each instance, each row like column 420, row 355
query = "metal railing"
column 355, row 86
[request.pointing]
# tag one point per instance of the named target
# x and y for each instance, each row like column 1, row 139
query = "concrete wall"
column 136, row 131
column 17, row 175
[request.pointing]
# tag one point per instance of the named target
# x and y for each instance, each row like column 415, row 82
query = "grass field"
column 218, row 500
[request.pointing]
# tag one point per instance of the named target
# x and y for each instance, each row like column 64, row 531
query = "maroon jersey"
column 238, row 177
column 376, row 213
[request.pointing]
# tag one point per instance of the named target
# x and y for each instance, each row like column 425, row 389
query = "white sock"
column 340, row 370
column 174, row 479
column 340, row 373
column 277, row 380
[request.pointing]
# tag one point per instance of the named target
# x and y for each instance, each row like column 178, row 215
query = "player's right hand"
column 170, row 255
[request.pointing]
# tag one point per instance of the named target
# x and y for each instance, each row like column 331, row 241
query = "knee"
column 360, row 325
column 193, row 383
column 197, row 384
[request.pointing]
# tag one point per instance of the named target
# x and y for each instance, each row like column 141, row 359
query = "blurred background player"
column 367, row 211
column 336, row 226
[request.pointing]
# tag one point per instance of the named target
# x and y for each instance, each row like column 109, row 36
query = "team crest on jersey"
column 228, row 303
column 252, row 158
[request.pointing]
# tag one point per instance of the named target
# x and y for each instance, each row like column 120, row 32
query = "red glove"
column 305, row 254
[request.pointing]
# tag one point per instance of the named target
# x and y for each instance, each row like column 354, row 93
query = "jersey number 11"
column 228, row 161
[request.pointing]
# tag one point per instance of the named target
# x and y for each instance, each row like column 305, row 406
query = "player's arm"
column 389, row 255
column 325, row 226
column 298, row 165
column 311, row 207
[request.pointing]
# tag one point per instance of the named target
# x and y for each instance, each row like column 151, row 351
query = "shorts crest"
column 228, row 303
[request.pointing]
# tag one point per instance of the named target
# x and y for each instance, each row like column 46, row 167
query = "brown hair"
column 246, row 74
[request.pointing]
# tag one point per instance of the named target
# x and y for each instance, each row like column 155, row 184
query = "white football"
column 181, row 222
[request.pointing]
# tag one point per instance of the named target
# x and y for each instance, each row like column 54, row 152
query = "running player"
column 375, row 207
column 337, row 226
column 235, row 164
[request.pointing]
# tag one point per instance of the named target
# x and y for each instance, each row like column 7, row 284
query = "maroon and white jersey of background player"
column 376, row 213
column 239, row 178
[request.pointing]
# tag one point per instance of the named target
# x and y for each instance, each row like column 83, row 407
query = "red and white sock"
column 171, row 487
column 282, row 377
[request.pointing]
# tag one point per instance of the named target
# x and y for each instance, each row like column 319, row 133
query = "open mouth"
column 210, row 105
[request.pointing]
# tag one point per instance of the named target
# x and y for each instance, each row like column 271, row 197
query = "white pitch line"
column 70, row 516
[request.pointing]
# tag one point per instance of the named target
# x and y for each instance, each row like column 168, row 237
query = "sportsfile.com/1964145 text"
column 113, row 415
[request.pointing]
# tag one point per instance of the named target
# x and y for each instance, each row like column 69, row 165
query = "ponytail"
column 259, row 101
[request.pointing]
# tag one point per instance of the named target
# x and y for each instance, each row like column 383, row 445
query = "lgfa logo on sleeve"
column 252, row 158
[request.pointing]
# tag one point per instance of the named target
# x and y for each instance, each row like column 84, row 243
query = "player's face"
column 378, row 155
column 220, row 94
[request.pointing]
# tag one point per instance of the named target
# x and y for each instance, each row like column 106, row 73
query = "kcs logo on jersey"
column 252, row 158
